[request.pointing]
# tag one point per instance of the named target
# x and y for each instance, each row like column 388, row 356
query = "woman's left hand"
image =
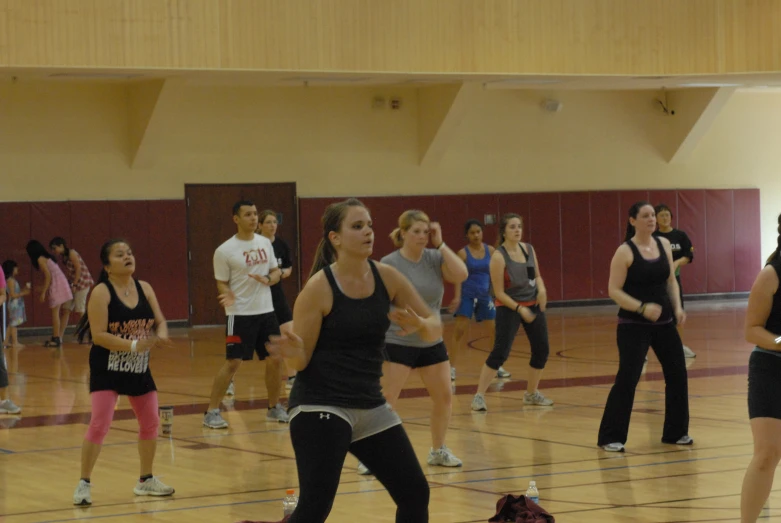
column 407, row 319
column 680, row 316
column 542, row 300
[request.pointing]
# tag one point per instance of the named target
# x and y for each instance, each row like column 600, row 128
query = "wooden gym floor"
column 242, row 472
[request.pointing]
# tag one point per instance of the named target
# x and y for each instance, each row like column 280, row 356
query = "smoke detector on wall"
column 552, row 106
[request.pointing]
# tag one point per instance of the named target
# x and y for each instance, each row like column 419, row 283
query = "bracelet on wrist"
column 134, row 346
column 641, row 309
column 439, row 247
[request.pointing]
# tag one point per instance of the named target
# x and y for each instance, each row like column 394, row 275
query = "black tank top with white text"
column 346, row 363
column 646, row 280
column 124, row 372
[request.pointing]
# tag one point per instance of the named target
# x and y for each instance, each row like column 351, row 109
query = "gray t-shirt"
column 426, row 277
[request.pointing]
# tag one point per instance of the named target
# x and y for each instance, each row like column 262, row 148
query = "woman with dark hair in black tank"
column 642, row 282
column 126, row 323
column 336, row 405
column 763, row 330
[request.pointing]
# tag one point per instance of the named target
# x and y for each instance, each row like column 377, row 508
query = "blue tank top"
column 478, row 283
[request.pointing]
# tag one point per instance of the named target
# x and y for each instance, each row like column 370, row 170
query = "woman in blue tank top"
column 473, row 297
column 340, row 321
column 763, row 330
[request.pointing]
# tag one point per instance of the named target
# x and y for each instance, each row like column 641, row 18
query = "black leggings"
column 321, row 444
column 507, row 324
column 633, row 342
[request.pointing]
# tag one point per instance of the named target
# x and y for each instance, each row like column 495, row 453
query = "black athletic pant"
column 507, row 324
column 633, row 343
column 321, row 445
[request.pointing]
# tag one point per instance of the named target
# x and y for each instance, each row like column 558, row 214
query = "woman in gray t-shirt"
column 426, row 269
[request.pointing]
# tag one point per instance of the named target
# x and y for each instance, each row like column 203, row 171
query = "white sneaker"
column 443, row 457
column 277, row 413
column 478, row 403
column 613, row 447
column 290, row 382
column 363, row 470
column 152, row 487
column 8, row 406
column 452, row 374
column 231, row 390
column 213, row 419
column 536, row 399
column 82, row 495
column 688, row 353
column 502, row 374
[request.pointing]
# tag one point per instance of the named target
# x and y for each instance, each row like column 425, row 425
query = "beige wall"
column 61, row 141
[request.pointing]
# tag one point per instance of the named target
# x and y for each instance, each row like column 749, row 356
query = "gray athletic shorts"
column 364, row 422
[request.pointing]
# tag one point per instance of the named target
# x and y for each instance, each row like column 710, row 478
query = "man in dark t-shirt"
column 683, row 252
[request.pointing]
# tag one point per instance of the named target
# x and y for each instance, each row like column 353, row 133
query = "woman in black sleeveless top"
column 121, row 316
column 642, row 282
column 763, row 330
column 336, row 405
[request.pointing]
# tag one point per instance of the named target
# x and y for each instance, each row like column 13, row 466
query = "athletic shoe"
column 231, row 390
column 363, row 470
column 277, row 413
column 213, row 419
column 9, row 407
column 536, row 399
column 443, row 457
column 82, row 495
column 152, row 487
column 613, row 447
column 688, row 353
column 478, row 403
column 501, row 373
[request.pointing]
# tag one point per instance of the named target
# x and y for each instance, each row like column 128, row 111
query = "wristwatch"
column 778, row 340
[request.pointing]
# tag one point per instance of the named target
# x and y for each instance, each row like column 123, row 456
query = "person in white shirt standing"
column 245, row 269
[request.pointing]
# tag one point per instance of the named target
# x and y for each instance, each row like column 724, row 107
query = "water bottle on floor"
column 289, row 503
column 532, row 492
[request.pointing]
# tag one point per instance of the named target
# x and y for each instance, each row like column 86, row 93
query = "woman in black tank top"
column 121, row 316
column 336, row 405
column 643, row 284
column 763, row 330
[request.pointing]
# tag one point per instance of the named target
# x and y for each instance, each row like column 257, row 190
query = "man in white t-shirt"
column 245, row 269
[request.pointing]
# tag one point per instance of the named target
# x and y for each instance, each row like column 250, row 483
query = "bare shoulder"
column 767, row 280
column 146, row 287
column 101, row 292
column 664, row 241
column 491, row 250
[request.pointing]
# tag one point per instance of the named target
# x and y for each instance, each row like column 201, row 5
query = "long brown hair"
column 406, row 220
column 332, row 222
column 503, row 224
column 777, row 253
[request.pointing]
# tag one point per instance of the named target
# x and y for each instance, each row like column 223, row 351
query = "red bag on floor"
column 520, row 509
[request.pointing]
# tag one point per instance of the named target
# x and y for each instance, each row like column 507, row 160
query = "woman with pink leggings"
column 121, row 316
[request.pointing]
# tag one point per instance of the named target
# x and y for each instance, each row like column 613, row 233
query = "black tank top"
column 123, row 371
column 773, row 323
column 646, row 280
column 346, row 364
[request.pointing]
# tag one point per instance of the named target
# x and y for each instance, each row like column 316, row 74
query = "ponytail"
column 82, row 328
column 630, row 231
column 396, row 238
column 777, row 253
column 324, row 256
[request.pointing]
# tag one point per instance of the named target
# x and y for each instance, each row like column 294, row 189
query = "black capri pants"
column 507, row 324
column 764, row 385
